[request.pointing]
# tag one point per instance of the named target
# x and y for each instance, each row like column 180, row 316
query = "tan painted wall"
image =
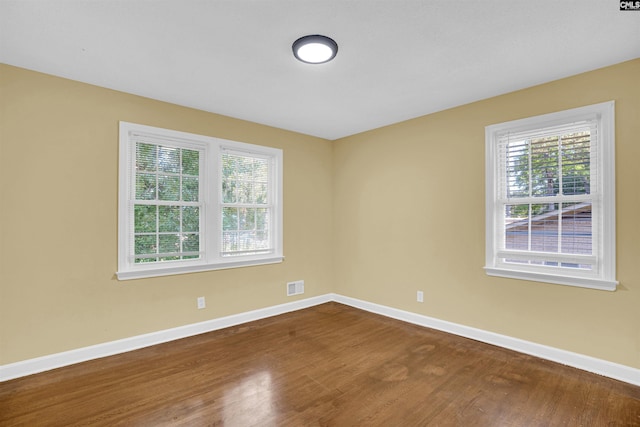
column 409, row 215
column 58, row 220
column 375, row 216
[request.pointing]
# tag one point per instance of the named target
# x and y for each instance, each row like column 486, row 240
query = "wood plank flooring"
column 329, row 365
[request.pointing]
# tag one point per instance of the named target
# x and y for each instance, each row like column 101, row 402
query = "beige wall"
column 409, row 215
column 58, row 181
column 375, row 216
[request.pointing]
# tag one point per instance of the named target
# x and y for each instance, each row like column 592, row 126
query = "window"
column 191, row 203
column 550, row 198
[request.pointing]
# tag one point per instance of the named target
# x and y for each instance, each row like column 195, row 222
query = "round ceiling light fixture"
column 315, row 49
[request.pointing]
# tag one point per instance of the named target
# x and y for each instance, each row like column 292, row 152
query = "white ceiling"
column 396, row 60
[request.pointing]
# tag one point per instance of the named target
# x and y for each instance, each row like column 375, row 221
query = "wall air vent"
column 295, row 288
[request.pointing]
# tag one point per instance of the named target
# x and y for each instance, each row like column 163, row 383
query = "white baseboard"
column 580, row 361
column 586, row 363
column 58, row 360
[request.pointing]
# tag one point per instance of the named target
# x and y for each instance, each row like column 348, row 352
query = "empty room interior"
column 435, row 224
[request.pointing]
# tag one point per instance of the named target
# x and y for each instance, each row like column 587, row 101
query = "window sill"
column 170, row 271
column 582, row 282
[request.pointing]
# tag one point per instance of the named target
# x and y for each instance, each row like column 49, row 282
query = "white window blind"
column 166, row 205
column 246, row 204
column 544, row 191
column 551, row 198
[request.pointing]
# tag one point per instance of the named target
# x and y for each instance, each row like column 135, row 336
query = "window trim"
column 211, row 222
column 603, row 222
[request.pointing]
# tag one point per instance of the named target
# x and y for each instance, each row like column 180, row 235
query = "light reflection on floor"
column 250, row 402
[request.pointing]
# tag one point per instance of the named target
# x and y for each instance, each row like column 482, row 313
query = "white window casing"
column 550, row 198
column 173, row 214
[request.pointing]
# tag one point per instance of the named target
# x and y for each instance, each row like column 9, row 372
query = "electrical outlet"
column 420, row 296
column 201, row 303
column 295, row 288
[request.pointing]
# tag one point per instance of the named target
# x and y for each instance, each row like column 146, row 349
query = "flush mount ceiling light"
column 315, row 49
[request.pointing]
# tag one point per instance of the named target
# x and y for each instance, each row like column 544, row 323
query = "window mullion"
column 212, row 189
column 560, row 221
column 529, row 230
column 560, row 193
column 157, row 190
column 530, row 170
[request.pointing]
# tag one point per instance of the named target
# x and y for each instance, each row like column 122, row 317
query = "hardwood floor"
column 330, row 365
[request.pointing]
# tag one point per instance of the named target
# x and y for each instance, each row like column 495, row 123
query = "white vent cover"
column 295, row 288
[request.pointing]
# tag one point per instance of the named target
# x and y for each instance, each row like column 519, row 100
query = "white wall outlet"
column 201, row 303
column 420, row 296
column 295, row 288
